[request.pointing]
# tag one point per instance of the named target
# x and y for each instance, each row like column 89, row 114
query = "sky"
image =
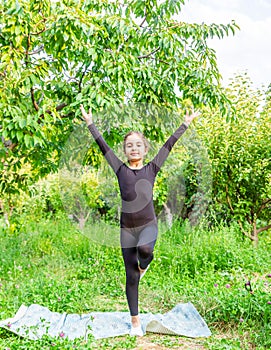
column 249, row 50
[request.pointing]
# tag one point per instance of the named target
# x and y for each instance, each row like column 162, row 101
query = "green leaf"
column 28, row 140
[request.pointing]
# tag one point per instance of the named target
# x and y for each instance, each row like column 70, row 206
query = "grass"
column 51, row 263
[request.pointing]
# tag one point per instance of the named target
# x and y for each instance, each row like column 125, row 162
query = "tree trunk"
column 255, row 235
column 169, row 218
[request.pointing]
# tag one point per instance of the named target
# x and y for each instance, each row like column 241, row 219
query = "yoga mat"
column 35, row 320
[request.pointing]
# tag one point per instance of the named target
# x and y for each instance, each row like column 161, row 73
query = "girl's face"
column 134, row 148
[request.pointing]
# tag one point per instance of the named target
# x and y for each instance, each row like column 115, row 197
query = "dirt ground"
column 151, row 342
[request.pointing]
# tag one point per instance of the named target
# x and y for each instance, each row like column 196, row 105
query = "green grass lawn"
column 51, row 263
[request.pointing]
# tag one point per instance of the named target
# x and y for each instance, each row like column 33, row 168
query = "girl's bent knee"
column 145, row 251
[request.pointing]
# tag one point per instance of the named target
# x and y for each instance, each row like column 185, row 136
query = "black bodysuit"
column 138, row 220
column 136, row 185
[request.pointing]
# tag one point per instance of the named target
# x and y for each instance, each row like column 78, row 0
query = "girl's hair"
column 143, row 138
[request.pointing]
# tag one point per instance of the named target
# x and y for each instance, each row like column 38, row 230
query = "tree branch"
column 228, row 199
column 253, row 238
column 33, row 99
column 81, row 79
column 249, row 220
column 163, row 61
column 267, row 227
column 37, row 51
column 27, row 50
column 149, row 54
column 43, row 30
column 263, row 205
column 38, row 33
column 26, row 64
column 144, row 20
column 58, row 108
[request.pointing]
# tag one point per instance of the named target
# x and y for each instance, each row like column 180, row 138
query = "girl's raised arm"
column 108, row 153
column 190, row 116
column 162, row 155
column 86, row 116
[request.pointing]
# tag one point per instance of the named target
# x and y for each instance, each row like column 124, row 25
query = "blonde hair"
column 143, row 138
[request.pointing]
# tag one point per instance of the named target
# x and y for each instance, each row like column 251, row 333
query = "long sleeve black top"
column 136, row 185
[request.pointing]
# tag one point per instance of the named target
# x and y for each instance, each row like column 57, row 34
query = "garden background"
column 135, row 66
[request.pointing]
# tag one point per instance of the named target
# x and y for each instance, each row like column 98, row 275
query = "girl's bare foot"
column 142, row 272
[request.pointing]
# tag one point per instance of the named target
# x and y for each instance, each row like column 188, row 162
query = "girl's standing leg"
column 132, row 278
column 129, row 253
column 136, row 248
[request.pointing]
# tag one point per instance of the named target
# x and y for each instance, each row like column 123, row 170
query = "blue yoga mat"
column 34, row 321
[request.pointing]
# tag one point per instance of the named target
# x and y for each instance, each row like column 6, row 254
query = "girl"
column 138, row 221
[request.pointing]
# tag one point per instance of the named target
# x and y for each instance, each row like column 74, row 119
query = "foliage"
column 58, row 54
column 80, row 195
column 240, row 153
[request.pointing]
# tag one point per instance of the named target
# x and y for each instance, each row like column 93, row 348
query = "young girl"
column 138, row 221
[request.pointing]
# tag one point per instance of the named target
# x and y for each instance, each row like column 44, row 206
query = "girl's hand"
column 190, row 116
column 86, row 116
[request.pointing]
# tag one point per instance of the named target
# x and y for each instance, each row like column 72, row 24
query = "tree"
column 58, row 54
column 240, row 154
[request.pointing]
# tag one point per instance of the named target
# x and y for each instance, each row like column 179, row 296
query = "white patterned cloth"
column 35, row 320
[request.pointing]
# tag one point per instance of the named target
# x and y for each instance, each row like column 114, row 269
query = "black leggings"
column 137, row 248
